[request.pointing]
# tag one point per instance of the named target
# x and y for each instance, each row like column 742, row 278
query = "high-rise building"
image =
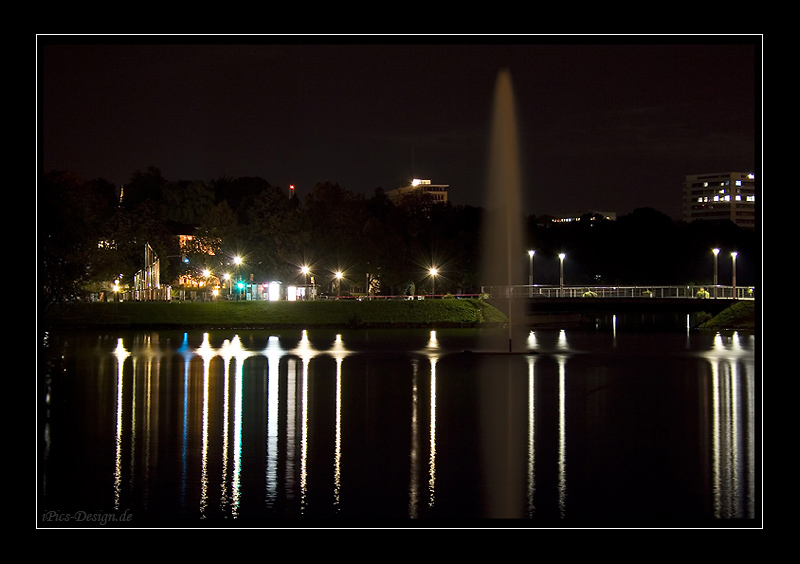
column 436, row 192
column 720, row 196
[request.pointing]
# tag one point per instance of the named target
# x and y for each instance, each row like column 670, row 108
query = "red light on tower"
column 291, row 187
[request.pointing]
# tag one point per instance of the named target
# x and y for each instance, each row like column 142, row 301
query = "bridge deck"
column 623, row 305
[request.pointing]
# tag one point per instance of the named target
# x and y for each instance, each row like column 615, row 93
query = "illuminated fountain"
column 502, row 263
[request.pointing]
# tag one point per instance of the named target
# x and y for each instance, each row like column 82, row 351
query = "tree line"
column 90, row 232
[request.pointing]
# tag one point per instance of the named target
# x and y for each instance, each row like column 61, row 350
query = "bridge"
column 621, row 299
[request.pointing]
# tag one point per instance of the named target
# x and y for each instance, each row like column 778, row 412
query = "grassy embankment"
column 741, row 315
column 257, row 314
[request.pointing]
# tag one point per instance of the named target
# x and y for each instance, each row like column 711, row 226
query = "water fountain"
column 503, row 264
column 503, row 254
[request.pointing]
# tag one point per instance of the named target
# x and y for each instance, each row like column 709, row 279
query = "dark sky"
column 605, row 123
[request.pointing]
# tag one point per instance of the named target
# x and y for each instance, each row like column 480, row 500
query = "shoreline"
column 333, row 314
column 329, row 314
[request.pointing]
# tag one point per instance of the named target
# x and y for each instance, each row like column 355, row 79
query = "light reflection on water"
column 252, row 417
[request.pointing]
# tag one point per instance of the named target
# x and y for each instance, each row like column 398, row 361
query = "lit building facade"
column 436, row 192
column 591, row 215
column 720, row 196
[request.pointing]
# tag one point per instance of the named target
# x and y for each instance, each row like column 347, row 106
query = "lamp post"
column 716, row 252
column 339, row 276
column 530, row 272
column 237, row 260
column 561, row 258
column 206, row 276
column 433, row 272
column 733, row 257
column 305, row 271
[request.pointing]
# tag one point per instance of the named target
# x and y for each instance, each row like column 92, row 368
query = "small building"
column 437, row 193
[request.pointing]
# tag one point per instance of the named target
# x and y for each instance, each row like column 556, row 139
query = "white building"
column 436, row 192
column 720, row 196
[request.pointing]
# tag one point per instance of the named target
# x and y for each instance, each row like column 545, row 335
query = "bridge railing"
column 694, row 291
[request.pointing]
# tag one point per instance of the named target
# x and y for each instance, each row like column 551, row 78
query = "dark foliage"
column 331, row 228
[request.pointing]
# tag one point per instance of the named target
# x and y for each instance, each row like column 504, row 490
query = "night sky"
column 605, row 123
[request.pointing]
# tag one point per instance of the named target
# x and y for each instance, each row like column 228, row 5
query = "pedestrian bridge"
column 695, row 292
column 651, row 299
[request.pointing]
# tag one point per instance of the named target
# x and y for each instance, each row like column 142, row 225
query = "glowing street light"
column 237, row 260
column 530, row 271
column 733, row 257
column 305, row 271
column 339, row 276
column 561, row 258
column 716, row 252
column 227, row 277
column 433, row 272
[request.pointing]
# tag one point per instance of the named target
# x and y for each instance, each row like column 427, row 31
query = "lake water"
column 619, row 424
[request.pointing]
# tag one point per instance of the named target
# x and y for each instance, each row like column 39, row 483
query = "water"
column 605, row 426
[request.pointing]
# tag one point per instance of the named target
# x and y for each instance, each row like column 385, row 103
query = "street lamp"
column 305, row 271
column 206, row 275
column 227, row 277
column 733, row 257
column 433, row 272
column 561, row 257
column 716, row 252
column 530, row 272
column 339, row 276
column 237, row 260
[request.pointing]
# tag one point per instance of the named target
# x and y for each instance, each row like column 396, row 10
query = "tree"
column 144, row 186
column 76, row 240
column 276, row 232
column 335, row 219
column 186, row 202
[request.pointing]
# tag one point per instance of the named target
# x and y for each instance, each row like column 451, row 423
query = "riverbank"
column 348, row 313
column 741, row 315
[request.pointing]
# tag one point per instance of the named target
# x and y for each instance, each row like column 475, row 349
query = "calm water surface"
column 372, row 428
